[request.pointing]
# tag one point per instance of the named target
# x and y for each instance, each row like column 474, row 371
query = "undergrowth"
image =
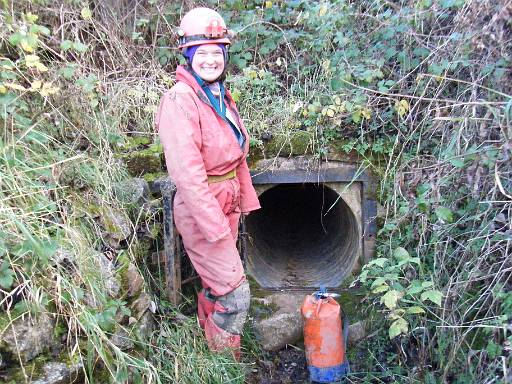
column 417, row 92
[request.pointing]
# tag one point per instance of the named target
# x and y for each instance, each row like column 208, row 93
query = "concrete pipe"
column 305, row 235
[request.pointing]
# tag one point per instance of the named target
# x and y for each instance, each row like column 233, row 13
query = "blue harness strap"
column 220, row 107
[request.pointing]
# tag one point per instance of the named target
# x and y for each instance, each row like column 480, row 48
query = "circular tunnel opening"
column 305, row 235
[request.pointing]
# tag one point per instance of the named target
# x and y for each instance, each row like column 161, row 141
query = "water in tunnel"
column 305, row 235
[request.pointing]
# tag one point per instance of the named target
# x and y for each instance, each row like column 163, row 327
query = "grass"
column 418, row 91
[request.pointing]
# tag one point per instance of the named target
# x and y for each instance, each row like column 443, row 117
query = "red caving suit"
column 198, row 143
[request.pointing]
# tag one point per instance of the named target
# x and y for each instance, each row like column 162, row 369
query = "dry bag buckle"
column 323, row 294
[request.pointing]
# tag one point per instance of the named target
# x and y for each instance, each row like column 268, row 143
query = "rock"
column 141, row 305
column 145, row 326
column 356, row 332
column 278, row 330
column 161, row 182
column 134, row 191
column 122, row 339
column 61, row 373
column 66, row 259
column 116, row 226
column 280, row 323
column 28, row 337
column 134, row 280
column 108, row 275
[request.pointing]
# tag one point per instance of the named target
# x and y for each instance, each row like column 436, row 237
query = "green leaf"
column 3, row 247
column 378, row 281
column 422, row 189
column 457, row 162
column 68, row 72
column 66, row 45
column 336, row 84
column 401, row 253
column 414, row 310
column 414, row 288
column 388, row 227
column 35, row 28
column 80, row 47
column 86, row 13
column 356, row 116
column 493, row 350
column 444, row 214
column 398, row 327
column 434, row 296
column 390, row 299
column 381, row 288
column 362, row 277
column 379, row 261
column 6, row 275
column 121, row 375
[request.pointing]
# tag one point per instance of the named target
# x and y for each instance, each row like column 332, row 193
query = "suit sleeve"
column 248, row 196
column 180, row 134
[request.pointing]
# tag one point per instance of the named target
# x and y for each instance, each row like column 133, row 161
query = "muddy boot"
column 221, row 341
column 205, row 306
column 224, row 326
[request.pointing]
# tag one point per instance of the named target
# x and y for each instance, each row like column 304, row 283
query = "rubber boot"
column 205, row 307
column 220, row 341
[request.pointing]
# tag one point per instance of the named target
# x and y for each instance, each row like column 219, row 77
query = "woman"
column 205, row 145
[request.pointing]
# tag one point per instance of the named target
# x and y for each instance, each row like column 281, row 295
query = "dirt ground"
column 286, row 366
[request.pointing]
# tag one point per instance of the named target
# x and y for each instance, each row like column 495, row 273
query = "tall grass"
column 431, row 119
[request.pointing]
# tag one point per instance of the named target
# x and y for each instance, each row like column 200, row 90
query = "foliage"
column 181, row 355
column 417, row 91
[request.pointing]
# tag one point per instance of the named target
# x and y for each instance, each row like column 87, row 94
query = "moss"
column 142, row 162
column 351, row 303
column 4, row 321
column 295, row 143
column 92, row 209
column 142, row 249
column 59, row 329
column 33, row 369
column 136, row 141
column 256, row 290
column 123, row 262
column 255, row 154
column 152, row 176
column 155, row 230
column 15, row 313
column 261, row 310
column 337, row 150
column 155, row 148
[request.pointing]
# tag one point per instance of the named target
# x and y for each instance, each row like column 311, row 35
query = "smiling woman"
column 205, row 145
column 208, row 62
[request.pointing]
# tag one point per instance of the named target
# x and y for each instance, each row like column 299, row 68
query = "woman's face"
column 208, row 62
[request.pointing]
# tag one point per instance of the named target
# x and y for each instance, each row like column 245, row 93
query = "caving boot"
column 220, row 340
column 205, row 306
column 224, row 325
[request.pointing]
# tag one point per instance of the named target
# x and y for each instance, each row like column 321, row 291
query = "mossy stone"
column 142, row 162
column 294, row 143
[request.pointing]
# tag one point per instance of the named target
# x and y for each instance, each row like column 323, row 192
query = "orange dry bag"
column 324, row 338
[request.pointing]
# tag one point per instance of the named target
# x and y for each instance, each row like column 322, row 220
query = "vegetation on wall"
column 418, row 92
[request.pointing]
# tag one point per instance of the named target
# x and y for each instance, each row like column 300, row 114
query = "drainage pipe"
column 305, row 235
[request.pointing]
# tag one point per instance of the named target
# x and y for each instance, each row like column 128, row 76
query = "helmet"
column 202, row 26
